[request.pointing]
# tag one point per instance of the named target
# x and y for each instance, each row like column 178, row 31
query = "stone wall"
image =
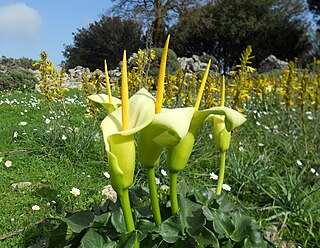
column 189, row 65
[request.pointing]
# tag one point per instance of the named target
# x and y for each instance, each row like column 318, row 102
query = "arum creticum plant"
column 167, row 129
column 222, row 138
column 178, row 155
column 109, row 102
column 118, row 130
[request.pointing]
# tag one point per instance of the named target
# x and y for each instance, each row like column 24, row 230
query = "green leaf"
column 187, row 208
column 128, row 240
column 252, row 244
column 196, row 221
column 101, row 220
column 255, row 236
column 225, row 205
column 111, row 244
column 59, row 236
column 209, row 239
column 79, row 221
column 204, row 196
column 117, row 220
column 243, row 227
column 92, row 239
column 227, row 244
column 170, row 229
column 222, row 223
column 146, row 226
column 183, row 188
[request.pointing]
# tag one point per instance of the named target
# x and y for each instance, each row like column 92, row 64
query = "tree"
column 154, row 14
column 103, row 39
column 314, row 7
column 226, row 27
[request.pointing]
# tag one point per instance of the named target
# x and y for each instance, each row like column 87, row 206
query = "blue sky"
column 31, row 26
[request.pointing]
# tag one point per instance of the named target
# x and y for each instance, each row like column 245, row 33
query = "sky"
column 31, row 26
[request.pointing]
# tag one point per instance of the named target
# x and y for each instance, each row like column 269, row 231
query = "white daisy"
column 35, row 208
column 8, row 163
column 226, row 187
column 213, row 176
column 163, row 172
column 106, row 174
column 75, row 191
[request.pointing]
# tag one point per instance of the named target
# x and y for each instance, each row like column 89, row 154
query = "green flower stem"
column 221, row 172
column 154, row 195
column 173, row 192
column 126, row 208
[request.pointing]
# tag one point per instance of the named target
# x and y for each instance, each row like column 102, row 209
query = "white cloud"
column 18, row 21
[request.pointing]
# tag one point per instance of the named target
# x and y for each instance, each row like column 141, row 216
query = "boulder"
column 271, row 63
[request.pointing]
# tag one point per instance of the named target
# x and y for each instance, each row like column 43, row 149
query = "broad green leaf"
column 183, row 188
column 129, row 240
column 225, row 205
column 222, row 223
column 101, row 220
column 204, row 196
column 79, row 221
column 146, row 226
column 111, row 244
column 170, row 229
column 60, row 235
column 209, row 239
column 196, row 222
column 92, row 239
column 117, row 220
column 186, row 210
column 227, row 244
column 251, row 244
column 243, row 227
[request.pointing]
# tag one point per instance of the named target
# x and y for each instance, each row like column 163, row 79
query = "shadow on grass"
column 51, row 195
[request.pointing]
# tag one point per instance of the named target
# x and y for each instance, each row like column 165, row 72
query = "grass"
column 273, row 174
column 52, row 165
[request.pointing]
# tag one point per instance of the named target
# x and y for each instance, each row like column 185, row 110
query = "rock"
column 271, row 63
column 196, row 58
column 198, row 66
column 109, row 193
column 114, row 75
column 185, row 63
column 21, row 185
column 195, row 65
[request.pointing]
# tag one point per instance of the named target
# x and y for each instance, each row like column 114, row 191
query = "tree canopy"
column 219, row 28
column 154, row 14
column 314, row 6
column 226, row 27
column 103, row 39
